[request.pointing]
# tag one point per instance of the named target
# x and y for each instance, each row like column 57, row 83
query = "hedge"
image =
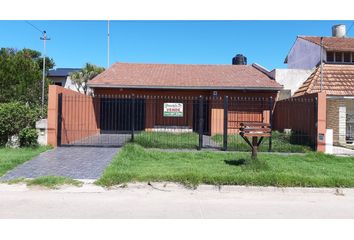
column 14, row 117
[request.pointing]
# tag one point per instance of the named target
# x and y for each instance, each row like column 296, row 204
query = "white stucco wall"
column 291, row 79
column 69, row 84
column 304, row 55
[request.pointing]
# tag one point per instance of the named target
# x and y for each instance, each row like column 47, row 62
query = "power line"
column 44, row 38
column 34, row 26
column 350, row 27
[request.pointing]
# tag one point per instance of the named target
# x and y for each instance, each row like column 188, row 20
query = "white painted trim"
column 340, row 97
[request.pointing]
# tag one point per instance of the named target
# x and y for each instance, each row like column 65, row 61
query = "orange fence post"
column 321, row 122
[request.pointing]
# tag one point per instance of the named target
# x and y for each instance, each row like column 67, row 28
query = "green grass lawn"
column 167, row 140
column 11, row 157
column 136, row 164
column 52, row 182
column 280, row 143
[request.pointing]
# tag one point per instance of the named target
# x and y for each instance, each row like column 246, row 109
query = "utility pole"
column 321, row 67
column 108, row 39
column 44, row 38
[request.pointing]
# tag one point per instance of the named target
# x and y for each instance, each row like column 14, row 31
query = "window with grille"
column 346, row 57
column 340, row 57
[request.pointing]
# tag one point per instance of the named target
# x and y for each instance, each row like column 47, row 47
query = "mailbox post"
column 257, row 131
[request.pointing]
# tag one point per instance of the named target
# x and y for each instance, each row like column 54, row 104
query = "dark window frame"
column 336, row 57
column 348, row 55
column 331, row 54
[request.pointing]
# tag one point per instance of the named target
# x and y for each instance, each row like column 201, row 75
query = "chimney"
column 339, row 31
column 239, row 59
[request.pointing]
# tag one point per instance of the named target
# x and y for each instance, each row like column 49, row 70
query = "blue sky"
column 74, row 43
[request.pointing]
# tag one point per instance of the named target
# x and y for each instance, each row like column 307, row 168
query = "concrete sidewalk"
column 168, row 200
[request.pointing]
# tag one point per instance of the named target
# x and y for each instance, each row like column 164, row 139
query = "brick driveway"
column 73, row 162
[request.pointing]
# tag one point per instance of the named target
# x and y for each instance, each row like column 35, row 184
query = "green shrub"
column 14, row 117
column 28, row 137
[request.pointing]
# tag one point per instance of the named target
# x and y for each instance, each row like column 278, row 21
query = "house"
column 61, row 77
column 338, row 84
column 184, row 80
column 306, row 54
column 335, row 78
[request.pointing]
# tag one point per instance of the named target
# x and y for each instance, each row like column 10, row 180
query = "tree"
column 87, row 73
column 21, row 75
column 37, row 56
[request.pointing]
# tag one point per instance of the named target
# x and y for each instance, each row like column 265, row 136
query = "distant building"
column 61, row 77
column 291, row 79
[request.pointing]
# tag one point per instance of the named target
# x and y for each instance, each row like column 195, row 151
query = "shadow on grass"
column 250, row 164
column 238, row 162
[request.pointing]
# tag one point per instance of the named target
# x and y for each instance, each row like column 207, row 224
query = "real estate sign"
column 173, row 109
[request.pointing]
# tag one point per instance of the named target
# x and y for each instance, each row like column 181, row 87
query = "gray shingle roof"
column 62, row 72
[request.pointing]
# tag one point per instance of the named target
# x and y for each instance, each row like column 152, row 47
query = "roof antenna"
column 321, row 68
column 108, row 36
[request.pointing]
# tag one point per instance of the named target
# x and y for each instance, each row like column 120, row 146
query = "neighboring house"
column 306, row 53
column 336, row 78
column 61, row 77
column 338, row 83
column 184, row 80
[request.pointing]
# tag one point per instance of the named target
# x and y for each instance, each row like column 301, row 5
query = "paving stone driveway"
column 73, row 162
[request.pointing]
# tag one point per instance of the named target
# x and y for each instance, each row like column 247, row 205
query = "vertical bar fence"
column 184, row 122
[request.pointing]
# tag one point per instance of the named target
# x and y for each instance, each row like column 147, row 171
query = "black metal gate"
column 116, row 115
column 100, row 121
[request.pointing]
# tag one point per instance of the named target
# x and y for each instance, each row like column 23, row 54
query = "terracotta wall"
column 80, row 118
column 80, row 115
column 299, row 114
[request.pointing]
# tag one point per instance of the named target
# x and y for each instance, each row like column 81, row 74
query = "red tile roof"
column 338, row 80
column 332, row 43
column 183, row 76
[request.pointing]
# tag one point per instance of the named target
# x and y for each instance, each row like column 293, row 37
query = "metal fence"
column 157, row 121
column 297, row 118
column 184, row 122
